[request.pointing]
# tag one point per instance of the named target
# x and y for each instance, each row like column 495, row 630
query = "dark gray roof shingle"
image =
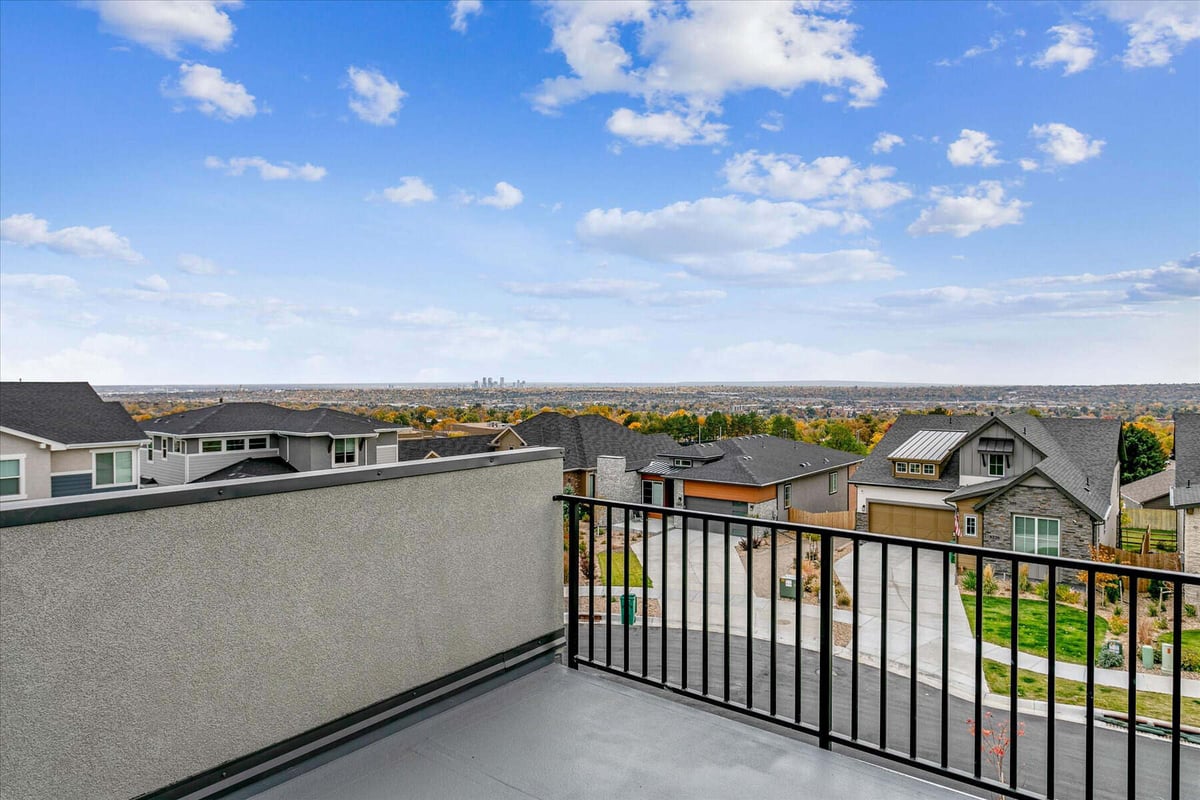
column 1150, row 487
column 758, row 460
column 877, row 470
column 69, row 413
column 227, row 418
column 587, row 436
column 1187, row 460
column 444, row 446
column 250, row 468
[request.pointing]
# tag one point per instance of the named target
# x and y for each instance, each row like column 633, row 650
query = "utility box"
column 1114, row 646
column 628, row 609
column 787, row 586
column 1147, row 656
column 1168, row 657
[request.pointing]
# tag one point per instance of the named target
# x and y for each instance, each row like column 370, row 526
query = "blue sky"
column 224, row 192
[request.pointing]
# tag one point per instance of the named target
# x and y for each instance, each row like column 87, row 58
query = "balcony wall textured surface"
column 142, row 647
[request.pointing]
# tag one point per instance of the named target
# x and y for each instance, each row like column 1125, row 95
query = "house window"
column 113, row 468
column 787, row 495
column 652, row 493
column 210, row 446
column 739, row 509
column 914, row 469
column 683, row 462
column 929, row 469
column 833, row 483
column 235, row 444
column 180, row 446
column 345, row 451
column 970, row 525
column 1035, row 535
column 901, row 468
column 591, row 484
column 258, row 443
column 12, row 477
column 150, row 452
column 164, row 446
column 995, row 464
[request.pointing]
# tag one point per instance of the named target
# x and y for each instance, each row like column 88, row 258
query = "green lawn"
column 1032, row 686
column 1032, row 637
column 1191, row 639
column 618, row 570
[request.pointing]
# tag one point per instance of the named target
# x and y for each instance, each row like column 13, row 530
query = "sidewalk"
column 1117, row 678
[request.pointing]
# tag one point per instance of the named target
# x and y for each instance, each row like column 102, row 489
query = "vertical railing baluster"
column 662, row 595
column 725, row 652
column 979, row 679
column 799, row 632
column 627, row 615
column 912, row 658
column 572, row 586
column 1014, row 616
column 1089, row 781
column 608, row 586
column 883, row 645
column 774, row 593
column 591, row 557
column 1176, row 686
column 749, row 616
column 683, row 606
column 1052, row 636
column 645, row 594
column 825, row 650
column 854, row 584
column 704, row 614
column 947, row 566
column 1131, row 698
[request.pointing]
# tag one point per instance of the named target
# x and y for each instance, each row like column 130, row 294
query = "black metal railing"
column 924, row 710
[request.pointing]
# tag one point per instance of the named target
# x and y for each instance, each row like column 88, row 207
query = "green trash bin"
column 628, row 609
column 787, row 586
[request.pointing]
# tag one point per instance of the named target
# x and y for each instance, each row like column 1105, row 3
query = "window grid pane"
column 10, row 468
column 124, row 467
column 104, row 469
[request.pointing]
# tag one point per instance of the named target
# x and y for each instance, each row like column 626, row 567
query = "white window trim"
column 225, row 444
column 333, row 454
column 204, row 452
column 901, row 467
column 266, row 440
column 22, row 480
column 967, row 528
column 929, row 469
column 833, row 483
column 133, row 471
column 1056, row 520
column 1003, row 467
column 787, row 495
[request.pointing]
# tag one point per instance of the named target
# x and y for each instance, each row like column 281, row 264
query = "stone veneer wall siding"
column 1074, row 529
column 860, row 521
column 1190, row 529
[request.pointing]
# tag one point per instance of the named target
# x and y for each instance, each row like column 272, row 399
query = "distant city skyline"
column 633, row 193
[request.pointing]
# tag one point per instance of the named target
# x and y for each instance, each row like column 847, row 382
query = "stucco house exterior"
column 758, row 476
column 1013, row 482
column 1185, row 495
column 59, row 439
column 236, row 440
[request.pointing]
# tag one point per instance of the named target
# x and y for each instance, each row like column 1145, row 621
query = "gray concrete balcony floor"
column 559, row 733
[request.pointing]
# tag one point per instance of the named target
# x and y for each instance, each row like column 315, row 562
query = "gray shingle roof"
column 587, row 436
column 69, row 413
column 1187, row 461
column 1150, row 487
column 250, row 468
column 877, row 470
column 759, row 460
column 444, row 446
column 228, row 418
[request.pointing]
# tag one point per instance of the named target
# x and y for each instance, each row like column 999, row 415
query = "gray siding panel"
column 67, row 485
column 167, row 471
column 208, row 463
column 812, row 493
column 1024, row 457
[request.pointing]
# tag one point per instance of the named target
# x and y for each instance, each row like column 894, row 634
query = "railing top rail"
column 1058, row 562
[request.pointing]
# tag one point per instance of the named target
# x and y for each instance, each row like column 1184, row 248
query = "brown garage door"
column 911, row 521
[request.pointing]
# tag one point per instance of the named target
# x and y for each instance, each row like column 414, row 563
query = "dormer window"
column 683, row 462
column 901, row 468
column 995, row 464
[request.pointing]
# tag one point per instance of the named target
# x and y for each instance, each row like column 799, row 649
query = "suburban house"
column 757, row 476
column 1185, row 494
column 446, row 446
column 1014, row 482
column 240, row 440
column 1152, row 491
column 61, row 439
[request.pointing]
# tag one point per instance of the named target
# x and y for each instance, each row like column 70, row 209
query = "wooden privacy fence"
column 1152, row 560
column 1162, row 519
column 829, row 519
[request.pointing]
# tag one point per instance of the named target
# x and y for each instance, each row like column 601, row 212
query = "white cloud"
column 771, row 360
column 504, row 197
column 693, row 55
column 1028, row 164
column 773, row 122
column 1063, row 145
column 775, row 269
column 461, row 11
column 1172, row 280
column 1074, row 49
column 1158, row 29
column 834, row 180
column 642, row 293
column 373, row 97
column 167, row 26
column 980, row 207
column 285, row 171
column 99, row 359
column 212, row 94
column 196, row 265
column 27, row 230
column 886, row 142
column 668, row 128
column 994, row 43
column 154, row 283
column 436, row 317
column 227, row 341
column 58, row 286
column 973, row 148
column 409, row 191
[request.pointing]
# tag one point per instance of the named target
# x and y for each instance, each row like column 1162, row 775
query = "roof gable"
column 231, row 418
column 756, row 460
column 64, row 413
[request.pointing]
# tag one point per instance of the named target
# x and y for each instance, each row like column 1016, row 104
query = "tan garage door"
column 911, row 521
